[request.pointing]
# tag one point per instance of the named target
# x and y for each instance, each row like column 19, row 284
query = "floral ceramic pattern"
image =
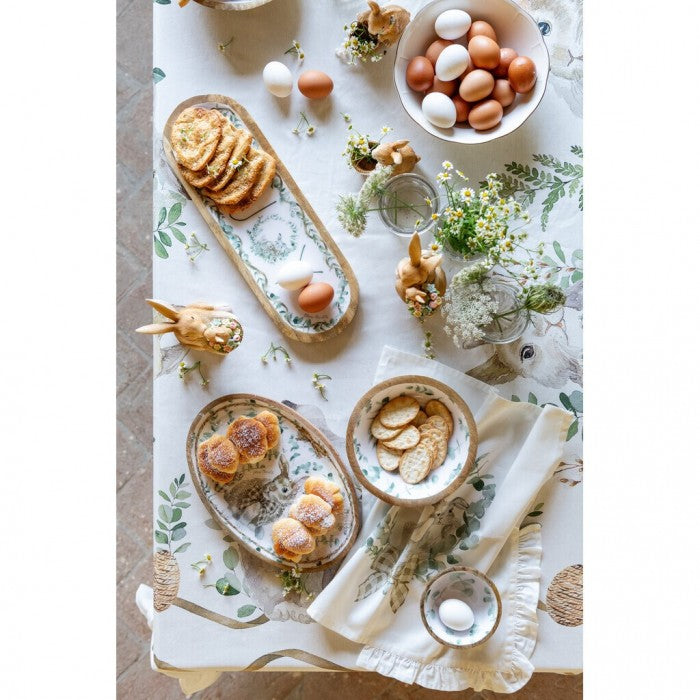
column 391, row 483
column 262, row 493
column 477, row 592
column 279, row 230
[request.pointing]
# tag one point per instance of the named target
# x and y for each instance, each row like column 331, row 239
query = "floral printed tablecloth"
column 201, row 51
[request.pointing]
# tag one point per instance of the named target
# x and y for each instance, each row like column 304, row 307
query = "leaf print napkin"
column 375, row 597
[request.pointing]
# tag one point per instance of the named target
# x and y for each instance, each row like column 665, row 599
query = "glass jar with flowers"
column 481, row 308
column 483, row 226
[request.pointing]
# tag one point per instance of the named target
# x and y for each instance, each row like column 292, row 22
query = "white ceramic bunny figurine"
column 199, row 325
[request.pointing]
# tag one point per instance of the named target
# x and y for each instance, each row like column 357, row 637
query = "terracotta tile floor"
column 135, row 679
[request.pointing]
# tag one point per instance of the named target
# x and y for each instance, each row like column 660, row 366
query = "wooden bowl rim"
column 313, row 432
column 478, row 574
column 458, row 479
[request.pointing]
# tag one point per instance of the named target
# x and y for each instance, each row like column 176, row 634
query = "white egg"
column 456, row 614
column 439, row 109
column 278, row 79
column 294, row 274
column 452, row 62
column 452, row 24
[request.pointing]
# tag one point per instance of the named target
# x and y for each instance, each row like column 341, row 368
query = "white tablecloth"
column 544, row 366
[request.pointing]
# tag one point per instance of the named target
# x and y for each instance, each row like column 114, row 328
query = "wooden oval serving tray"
column 280, row 226
column 261, row 493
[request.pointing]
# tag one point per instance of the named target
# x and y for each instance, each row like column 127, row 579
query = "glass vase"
column 511, row 326
column 408, row 203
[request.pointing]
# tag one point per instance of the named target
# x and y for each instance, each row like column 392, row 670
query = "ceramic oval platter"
column 262, row 493
column 280, row 226
column 361, row 445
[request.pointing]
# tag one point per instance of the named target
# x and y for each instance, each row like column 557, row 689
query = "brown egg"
column 316, row 297
column 485, row 115
column 503, row 93
column 507, row 55
column 476, row 85
column 446, row 87
column 419, row 74
column 481, row 28
column 484, row 52
column 522, row 74
column 436, row 48
column 315, row 84
column 462, row 109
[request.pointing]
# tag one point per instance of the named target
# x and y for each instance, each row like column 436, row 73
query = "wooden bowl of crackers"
column 411, row 440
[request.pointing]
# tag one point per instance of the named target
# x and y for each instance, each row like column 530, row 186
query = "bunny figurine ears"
column 199, row 325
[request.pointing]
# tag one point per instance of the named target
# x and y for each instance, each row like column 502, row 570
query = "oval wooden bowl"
column 389, row 486
column 261, row 493
column 284, row 207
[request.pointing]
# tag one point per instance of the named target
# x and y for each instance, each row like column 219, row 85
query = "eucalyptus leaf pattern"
column 452, row 528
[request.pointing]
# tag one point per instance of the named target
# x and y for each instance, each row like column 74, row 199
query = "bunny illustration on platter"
column 416, row 273
column 261, row 500
column 386, row 23
column 199, row 325
column 399, row 154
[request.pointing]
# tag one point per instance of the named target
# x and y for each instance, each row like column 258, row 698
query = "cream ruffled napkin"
column 374, row 599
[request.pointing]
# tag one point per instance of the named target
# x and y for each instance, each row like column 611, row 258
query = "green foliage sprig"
column 171, row 527
column 168, row 221
column 558, row 178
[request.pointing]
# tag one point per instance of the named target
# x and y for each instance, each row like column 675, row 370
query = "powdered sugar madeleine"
column 388, row 459
column 291, row 540
column 272, row 426
column 250, row 437
column 407, row 438
column 326, row 490
column 415, row 463
column 437, row 408
column 314, row 513
column 381, row 432
column 399, row 411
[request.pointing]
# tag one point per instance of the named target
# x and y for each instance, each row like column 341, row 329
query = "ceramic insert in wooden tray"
column 262, row 493
column 279, row 227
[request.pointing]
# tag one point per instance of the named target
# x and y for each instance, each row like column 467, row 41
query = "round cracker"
column 437, row 408
column 399, row 411
column 439, row 422
column 414, row 464
column 407, row 438
column 420, row 419
column 381, row 432
column 195, row 136
column 388, row 459
column 438, row 441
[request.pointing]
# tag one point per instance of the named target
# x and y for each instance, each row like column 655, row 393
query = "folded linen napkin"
column 375, row 597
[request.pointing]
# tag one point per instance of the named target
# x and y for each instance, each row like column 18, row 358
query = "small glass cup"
column 408, row 203
column 511, row 327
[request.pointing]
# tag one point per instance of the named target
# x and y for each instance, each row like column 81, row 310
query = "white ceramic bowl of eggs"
column 514, row 29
